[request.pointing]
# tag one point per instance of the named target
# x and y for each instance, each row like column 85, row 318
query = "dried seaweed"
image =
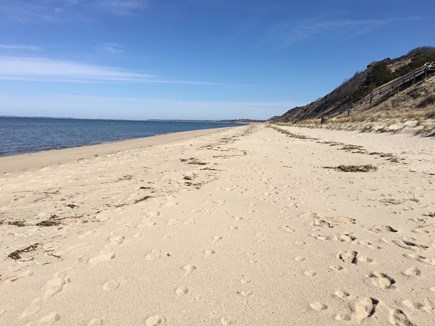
column 353, row 168
column 16, row 255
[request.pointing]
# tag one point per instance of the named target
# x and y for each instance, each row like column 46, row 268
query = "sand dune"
column 242, row 226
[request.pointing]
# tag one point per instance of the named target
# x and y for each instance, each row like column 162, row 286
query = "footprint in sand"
column 32, row 308
column 412, row 272
column 427, row 306
column 318, row 306
column 348, row 256
column 245, row 293
column 343, row 317
column 399, row 318
column 341, row 294
column 383, row 228
column 155, row 320
column 408, row 244
column 365, row 259
column 331, row 222
column 287, row 229
column 181, row 291
column 220, row 202
column 309, row 215
column 117, row 240
column 321, row 223
column 152, row 214
column 337, row 268
column 421, row 231
column 381, row 280
column 320, row 237
column 153, row 255
column 189, row 221
column 367, row 244
column 310, row 273
column 96, row 322
column 149, row 223
column 421, row 259
column 188, row 269
column 344, row 237
column 341, row 219
column 49, row 319
column 216, row 238
column 208, row 252
column 365, row 308
column 54, row 286
column 106, row 254
column 111, row 285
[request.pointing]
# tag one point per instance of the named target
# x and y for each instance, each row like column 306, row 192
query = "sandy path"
column 243, row 226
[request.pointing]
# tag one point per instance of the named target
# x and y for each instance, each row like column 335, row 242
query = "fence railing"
column 399, row 81
column 393, row 85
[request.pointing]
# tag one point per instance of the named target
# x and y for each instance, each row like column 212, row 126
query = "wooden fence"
column 390, row 87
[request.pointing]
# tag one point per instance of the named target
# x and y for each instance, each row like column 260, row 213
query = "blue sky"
column 193, row 59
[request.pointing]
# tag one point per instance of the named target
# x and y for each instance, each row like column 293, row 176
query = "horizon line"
column 143, row 120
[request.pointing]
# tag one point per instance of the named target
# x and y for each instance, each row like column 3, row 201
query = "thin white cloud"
column 25, row 68
column 333, row 28
column 52, row 10
column 112, row 48
column 20, row 47
column 120, row 6
column 50, row 70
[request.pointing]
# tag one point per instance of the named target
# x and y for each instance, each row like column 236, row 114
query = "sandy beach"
column 252, row 225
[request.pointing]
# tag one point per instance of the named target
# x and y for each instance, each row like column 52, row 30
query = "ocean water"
column 25, row 135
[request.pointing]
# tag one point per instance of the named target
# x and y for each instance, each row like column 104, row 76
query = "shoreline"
column 27, row 161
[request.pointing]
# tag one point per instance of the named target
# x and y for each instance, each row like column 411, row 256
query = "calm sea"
column 25, row 135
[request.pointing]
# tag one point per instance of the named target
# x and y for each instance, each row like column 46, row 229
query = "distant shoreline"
column 141, row 120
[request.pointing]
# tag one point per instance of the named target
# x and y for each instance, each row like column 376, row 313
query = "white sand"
column 239, row 226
